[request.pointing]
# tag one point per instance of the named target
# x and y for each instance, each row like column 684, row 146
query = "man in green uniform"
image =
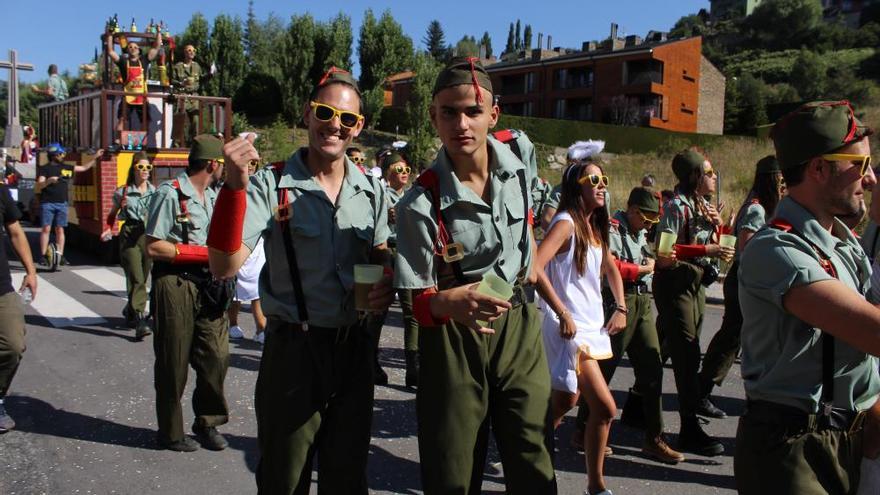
column 189, row 309
column 628, row 244
column 809, row 337
column 186, row 77
column 482, row 357
column 319, row 217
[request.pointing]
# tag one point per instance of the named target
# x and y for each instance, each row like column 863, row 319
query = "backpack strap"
column 429, row 181
column 508, row 137
column 282, row 216
column 183, row 216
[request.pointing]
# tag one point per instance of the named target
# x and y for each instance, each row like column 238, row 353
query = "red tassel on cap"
column 474, row 77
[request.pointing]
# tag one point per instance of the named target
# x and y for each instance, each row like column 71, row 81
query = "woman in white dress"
column 570, row 263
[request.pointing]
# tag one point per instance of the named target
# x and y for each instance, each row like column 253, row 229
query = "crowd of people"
column 457, row 247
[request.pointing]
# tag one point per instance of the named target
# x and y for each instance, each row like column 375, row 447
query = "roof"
column 399, row 77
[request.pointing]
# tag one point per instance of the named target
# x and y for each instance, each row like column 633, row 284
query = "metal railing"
column 89, row 121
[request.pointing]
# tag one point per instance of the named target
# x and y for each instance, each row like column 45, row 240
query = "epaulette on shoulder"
column 506, row 135
column 780, row 224
column 755, row 201
column 428, row 180
column 278, row 165
column 615, row 222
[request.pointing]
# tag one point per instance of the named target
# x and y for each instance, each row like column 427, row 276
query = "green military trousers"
column 639, row 341
column 724, row 346
column 681, row 302
column 184, row 336
column 136, row 265
column 410, row 325
column 775, row 458
column 12, row 332
column 470, row 381
column 314, row 397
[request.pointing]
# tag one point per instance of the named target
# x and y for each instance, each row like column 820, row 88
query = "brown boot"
column 657, row 449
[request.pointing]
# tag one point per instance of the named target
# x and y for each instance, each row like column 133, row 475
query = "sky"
column 66, row 32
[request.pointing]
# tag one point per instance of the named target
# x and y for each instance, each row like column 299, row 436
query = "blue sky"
column 65, row 32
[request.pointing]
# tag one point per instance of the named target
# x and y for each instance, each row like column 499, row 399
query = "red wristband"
column 111, row 221
column 422, row 309
column 531, row 218
column 189, row 253
column 227, row 221
column 690, row 250
column 629, row 272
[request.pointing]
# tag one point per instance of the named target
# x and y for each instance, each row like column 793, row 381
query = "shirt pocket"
column 306, row 239
column 470, row 235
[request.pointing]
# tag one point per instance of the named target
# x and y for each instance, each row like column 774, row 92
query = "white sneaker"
column 260, row 338
column 235, row 332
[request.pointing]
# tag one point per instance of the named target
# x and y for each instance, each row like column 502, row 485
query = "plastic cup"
column 667, row 241
column 495, row 286
column 727, row 240
column 364, row 278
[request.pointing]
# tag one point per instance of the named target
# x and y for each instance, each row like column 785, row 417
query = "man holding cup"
column 482, row 355
column 320, row 218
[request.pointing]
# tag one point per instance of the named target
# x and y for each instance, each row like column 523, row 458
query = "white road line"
column 57, row 307
column 104, row 278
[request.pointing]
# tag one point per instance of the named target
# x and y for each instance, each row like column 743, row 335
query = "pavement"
column 84, row 403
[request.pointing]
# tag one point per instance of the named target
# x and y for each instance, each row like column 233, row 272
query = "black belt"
column 796, row 420
column 519, row 296
column 342, row 333
column 637, row 288
column 189, row 271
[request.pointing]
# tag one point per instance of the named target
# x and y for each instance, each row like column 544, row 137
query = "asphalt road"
column 83, row 400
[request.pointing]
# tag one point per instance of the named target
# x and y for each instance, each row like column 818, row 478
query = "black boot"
column 130, row 317
column 380, row 378
column 143, row 327
column 693, row 439
column 633, row 414
column 705, row 407
column 412, row 369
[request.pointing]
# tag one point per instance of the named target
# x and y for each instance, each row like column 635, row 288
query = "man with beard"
column 809, row 337
column 134, row 69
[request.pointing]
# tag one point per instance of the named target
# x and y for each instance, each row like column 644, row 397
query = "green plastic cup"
column 727, row 240
column 364, row 278
column 667, row 241
column 495, row 286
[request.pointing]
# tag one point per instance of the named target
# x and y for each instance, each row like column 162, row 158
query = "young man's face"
column 189, row 53
column 846, row 188
column 133, row 50
column 330, row 138
column 461, row 122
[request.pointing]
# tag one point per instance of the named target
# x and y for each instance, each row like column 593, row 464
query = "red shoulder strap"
column 430, row 182
column 615, row 222
column 282, row 214
column 504, row 136
column 780, row 224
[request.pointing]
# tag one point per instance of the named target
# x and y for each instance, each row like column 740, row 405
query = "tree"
column 809, row 75
column 486, row 42
column 467, row 47
column 435, row 41
column 297, row 60
column 227, row 53
column 517, row 39
column 421, row 149
column 263, row 42
column 197, row 34
column 373, row 102
column 510, row 46
column 798, row 17
column 745, row 104
column 332, row 46
column 383, row 49
column 527, row 37
column 687, row 26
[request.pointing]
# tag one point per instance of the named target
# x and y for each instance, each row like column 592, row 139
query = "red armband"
column 531, row 217
column 690, row 250
column 629, row 272
column 422, row 309
column 111, row 220
column 189, row 253
column 227, row 221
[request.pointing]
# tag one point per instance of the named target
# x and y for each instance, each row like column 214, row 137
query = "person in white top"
column 570, row 263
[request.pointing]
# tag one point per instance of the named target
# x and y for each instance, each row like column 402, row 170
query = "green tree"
column 780, row 24
column 486, row 42
column 263, row 42
column 227, row 53
column 687, row 26
column 383, row 49
column 197, row 34
column 435, row 41
column 374, row 102
column 467, row 47
column 511, row 40
column 297, row 60
column 517, row 38
column 809, row 75
column 746, row 104
column 527, row 37
column 421, row 147
column 332, row 46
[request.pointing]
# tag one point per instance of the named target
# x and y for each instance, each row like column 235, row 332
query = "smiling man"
column 134, row 68
column 482, row 358
column 319, row 217
column 809, row 337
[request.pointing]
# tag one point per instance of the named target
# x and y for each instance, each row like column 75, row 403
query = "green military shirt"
column 751, row 217
column 870, row 240
column 136, row 203
column 164, row 212
column 782, row 355
column 554, row 197
column 491, row 234
column 628, row 246
column 186, row 77
column 393, row 197
column 329, row 239
column 682, row 218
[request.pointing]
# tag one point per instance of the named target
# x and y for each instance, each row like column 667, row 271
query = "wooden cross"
column 14, row 134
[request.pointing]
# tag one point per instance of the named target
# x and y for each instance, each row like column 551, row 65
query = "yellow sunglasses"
column 594, row 180
column 401, row 169
column 864, row 161
column 709, row 173
column 143, row 167
column 649, row 220
column 326, row 113
column 358, row 159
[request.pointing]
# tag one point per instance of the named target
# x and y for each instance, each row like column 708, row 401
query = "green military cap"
column 644, row 199
column 336, row 75
column 814, row 129
column 391, row 159
column 206, row 147
column 463, row 70
column 686, row 162
column 767, row 165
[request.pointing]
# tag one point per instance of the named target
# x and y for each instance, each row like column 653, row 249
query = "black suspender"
column 282, row 216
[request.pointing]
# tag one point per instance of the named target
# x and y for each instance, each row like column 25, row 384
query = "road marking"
column 104, row 278
column 57, row 307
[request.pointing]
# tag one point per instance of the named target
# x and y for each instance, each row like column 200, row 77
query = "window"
column 643, row 72
column 572, row 78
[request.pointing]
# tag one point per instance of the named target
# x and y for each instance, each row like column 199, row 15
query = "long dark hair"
column 765, row 188
column 132, row 170
column 572, row 201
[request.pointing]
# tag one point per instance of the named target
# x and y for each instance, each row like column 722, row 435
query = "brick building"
column 665, row 84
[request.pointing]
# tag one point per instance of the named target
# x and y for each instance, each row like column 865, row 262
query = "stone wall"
column 710, row 111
